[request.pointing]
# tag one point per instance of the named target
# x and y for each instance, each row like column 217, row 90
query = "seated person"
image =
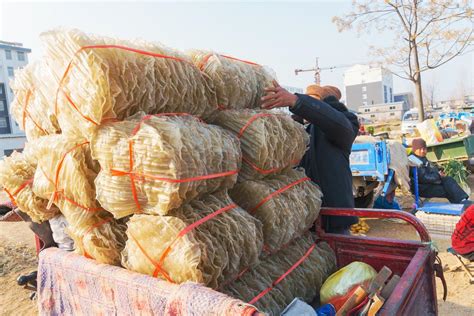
column 463, row 236
column 432, row 182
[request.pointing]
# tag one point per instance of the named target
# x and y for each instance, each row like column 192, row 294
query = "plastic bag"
column 341, row 284
column 429, row 131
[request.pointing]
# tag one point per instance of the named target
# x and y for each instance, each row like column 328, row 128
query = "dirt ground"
column 17, row 256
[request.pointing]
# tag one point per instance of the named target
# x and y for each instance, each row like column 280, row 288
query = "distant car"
column 409, row 121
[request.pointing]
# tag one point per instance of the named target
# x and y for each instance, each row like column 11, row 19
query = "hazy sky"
column 282, row 35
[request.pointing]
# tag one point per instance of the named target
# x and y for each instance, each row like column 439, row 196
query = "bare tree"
column 429, row 92
column 426, row 34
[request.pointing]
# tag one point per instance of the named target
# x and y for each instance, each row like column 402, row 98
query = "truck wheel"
column 365, row 201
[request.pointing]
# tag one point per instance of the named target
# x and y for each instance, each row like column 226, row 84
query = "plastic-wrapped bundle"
column 157, row 163
column 270, row 142
column 209, row 240
column 104, row 78
column 103, row 241
column 304, row 281
column 34, row 87
column 65, row 175
column 239, row 84
column 287, row 204
column 16, row 176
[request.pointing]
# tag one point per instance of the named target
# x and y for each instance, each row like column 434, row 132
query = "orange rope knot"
column 61, row 193
column 137, row 176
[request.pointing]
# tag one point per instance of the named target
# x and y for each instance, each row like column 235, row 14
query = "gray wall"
column 374, row 91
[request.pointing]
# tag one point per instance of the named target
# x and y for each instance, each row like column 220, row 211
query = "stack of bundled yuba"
column 34, row 87
column 104, row 78
column 303, row 282
column 170, row 160
column 239, row 84
column 270, row 142
column 287, row 204
column 160, row 162
column 210, row 253
column 16, row 176
column 65, row 175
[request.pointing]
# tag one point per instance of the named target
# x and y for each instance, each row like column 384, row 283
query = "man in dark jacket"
column 333, row 130
column 431, row 181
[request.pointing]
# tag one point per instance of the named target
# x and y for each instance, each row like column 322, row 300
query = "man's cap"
column 334, row 91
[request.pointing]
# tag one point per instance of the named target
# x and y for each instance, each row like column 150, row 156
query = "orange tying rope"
column 284, row 275
column 277, row 192
column 134, row 176
column 130, row 49
column 26, row 113
column 241, row 273
column 71, row 201
column 206, row 58
column 245, row 159
column 58, row 170
column 98, row 224
column 158, row 265
column 18, row 190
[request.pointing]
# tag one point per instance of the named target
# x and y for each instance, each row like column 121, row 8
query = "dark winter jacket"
column 427, row 172
column 332, row 131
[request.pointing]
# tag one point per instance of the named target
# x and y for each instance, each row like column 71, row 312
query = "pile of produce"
column 238, row 85
column 34, row 87
column 270, row 142
column 160, row 162
column 16, row 176
column 287, row 204
column 304, row 281
column 156, row 163
column 215, row 251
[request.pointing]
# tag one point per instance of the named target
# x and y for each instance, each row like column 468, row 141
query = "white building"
column 367, row 85
column 12, row 57
column 384, row 112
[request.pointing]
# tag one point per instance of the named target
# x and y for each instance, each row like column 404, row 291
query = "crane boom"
column 317, row 70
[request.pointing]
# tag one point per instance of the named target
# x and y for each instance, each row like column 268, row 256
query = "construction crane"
column 317, row 70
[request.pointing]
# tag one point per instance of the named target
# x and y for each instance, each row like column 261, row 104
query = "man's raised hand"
column 277, row 97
